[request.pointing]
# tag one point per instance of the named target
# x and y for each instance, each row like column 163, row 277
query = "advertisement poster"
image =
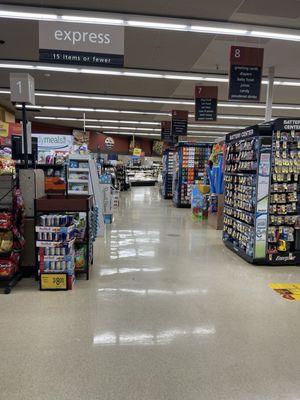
column 246, row 64
column 81, row 138
column 54, row 142
column 206, row 103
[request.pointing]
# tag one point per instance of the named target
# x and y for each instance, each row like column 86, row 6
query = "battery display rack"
column 189, row 167
column 261, row 204
column 167, row 174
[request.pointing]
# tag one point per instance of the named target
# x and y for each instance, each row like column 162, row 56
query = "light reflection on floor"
column 146, row 338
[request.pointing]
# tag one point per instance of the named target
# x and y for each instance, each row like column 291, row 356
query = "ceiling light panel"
column 134, row 73
column 149, row 22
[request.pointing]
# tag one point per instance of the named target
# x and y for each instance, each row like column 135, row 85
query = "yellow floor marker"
column 289, row 291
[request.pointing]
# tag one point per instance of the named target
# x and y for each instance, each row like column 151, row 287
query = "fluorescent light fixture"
column 276, row 35
column 28, row 15
column 143, row 75
column 149, row 22
column 92, row 20
column 183, row 77
column 134, row 73
column 99, row 71
column 148, row 100
column 156, row 25
column 217, row 30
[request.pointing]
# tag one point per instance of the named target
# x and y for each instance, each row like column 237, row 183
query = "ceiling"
column 163, row 50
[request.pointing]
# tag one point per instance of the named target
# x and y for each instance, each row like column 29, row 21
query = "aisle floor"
column 169, row 313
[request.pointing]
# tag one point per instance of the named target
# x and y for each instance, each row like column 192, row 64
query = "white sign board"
column 54, row 142
column 87, row 44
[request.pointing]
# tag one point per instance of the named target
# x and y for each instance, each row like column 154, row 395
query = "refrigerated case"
column 189, row 167
column 261, row 204
column 167, row 174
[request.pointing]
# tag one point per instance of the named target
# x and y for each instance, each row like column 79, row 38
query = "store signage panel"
column 87, row 44
column 179, row 122
column 287, row 125
column 206, row 102
column 166, row 131
column 54, row 142
column 246, row 65
column 242, row 134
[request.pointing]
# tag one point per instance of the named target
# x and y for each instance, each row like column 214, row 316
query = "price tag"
column 53, row 282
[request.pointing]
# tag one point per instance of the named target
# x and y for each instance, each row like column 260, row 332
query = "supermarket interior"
column 149, row 200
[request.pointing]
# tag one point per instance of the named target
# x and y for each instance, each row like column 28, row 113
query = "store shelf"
column 78, row 181
column 78, row 192
column 79, row 170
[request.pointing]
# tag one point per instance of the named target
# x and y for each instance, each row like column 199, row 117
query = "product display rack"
column 142, row 176
column 11, row 232
column 167, row 174
column 190, row 160
column 64, row 206
column 261, row 204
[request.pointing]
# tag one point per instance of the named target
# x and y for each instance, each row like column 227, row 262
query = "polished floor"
column 169, row 313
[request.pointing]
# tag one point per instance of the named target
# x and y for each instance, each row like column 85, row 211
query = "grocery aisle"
column 169, row 313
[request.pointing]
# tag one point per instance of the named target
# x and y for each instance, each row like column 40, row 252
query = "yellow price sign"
column 54, row 282
column 137, row 152
column 4, row 129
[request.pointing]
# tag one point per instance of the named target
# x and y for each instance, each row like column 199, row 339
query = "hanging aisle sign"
column 166, row 131
column 246, row 65
column 206, row 99
column 86, row 44
column 179, row 123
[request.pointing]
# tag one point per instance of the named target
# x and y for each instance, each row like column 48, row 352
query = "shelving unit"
column 83, row 180
column 261, row 213
column 68, row 235
column 142, row 176
column 189, row 165
column 11, row 232
column 167, row 174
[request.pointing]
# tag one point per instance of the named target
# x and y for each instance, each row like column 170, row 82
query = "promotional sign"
column 179, row 122
column 7, row 129
column 88, row 44
column 261, row 223
column 54, row 281
column 245, row 73
column 137, row 152
column 81, row 138
column 206, row 102
column 54, row 142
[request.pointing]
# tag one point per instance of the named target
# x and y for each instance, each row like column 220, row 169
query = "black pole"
column 25, row 135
